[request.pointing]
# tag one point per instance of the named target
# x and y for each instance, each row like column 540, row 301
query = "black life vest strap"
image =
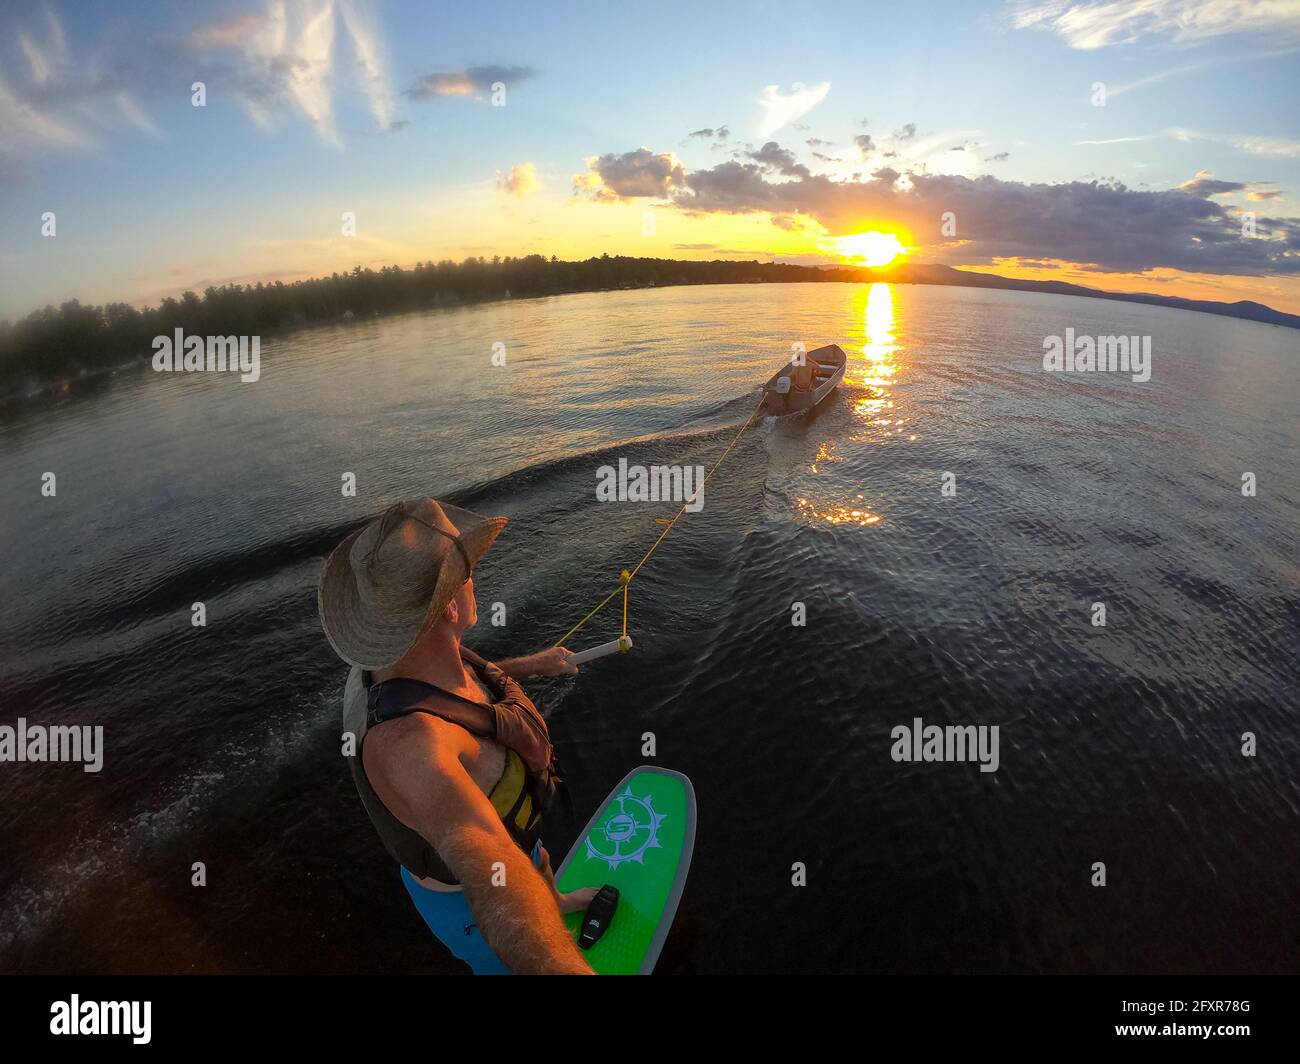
column 400, row 696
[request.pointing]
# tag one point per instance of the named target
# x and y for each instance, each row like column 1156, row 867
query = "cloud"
column 1104, row 226
column 279, row 60
column 640, row 173
column 27, row 130
column 790, row 222
column 1102, row 23
column 34, row 120
column 1204, row 184
column 865, row 144
column 44, row 60
column 297, row 41
column 368, row 61
column 1113, row 91
column 130, row 110
column 1119, row 140
column 1000, row 157
column 908, row 132
column 226, row 34
column 718, row 135
column 468, row 82
column 1280, row 147
column 774, row 157
column 1273, row 147
column 521, row 181
column 780, row 109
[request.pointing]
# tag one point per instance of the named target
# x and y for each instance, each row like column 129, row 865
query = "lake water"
column 1119, row 744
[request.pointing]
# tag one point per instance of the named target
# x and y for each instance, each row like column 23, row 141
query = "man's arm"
column 553, row 661
column 415, row 767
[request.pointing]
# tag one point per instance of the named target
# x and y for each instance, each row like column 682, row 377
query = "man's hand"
column 551, row 662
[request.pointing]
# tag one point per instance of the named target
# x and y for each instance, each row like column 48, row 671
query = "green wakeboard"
column 640, row 840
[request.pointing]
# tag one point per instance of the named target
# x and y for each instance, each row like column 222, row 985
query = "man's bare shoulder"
column 419, row 737
column 416, row 765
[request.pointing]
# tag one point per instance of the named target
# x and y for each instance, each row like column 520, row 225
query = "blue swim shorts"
column 449, row 918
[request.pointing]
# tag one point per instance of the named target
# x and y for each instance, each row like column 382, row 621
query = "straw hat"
column 388, row 581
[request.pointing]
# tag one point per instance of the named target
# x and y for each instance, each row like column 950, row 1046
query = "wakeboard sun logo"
column 630, row 831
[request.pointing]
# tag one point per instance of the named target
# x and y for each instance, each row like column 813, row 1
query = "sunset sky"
column 719, row 130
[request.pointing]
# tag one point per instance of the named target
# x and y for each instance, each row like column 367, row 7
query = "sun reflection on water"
column 871, row 373
column 870, row 377
column 876, row 368
column 837, row 513
column 825, row 455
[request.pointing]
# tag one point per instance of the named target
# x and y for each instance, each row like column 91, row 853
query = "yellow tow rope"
column 625, row 577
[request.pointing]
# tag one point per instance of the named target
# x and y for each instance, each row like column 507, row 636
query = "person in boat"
column 452, row 760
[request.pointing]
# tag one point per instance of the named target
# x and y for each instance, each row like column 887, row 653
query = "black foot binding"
column 598, row 916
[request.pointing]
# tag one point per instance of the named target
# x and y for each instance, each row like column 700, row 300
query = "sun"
column 871, row 249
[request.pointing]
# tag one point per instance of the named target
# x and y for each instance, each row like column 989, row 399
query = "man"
column 453, row 762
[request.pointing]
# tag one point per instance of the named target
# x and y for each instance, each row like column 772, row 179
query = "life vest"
column 528, row 786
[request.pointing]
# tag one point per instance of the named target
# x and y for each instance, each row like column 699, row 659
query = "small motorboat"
column 795, row 388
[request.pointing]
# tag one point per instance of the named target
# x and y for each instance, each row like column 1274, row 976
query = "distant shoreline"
column 52, row 349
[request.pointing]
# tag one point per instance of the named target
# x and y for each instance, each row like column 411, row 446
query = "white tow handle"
column 612, row 647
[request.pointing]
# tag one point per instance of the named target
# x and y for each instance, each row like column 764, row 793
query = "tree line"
column 65, row 342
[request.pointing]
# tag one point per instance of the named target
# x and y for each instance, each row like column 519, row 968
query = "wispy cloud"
column 781, row 108
column 33, row 121
column 1121, row 140
column 370, row 64
column 29, row 130
column 1113, row 91
column 276, row 61
column 292, row 49
column 226, row 34
column 1102, row 23
column 44, row 60
column 1275, row 147
column 472, row 81
column 131, row 111
column 1286, row 147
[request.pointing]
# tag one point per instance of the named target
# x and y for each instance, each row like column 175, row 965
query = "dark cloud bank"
column 1101, row 224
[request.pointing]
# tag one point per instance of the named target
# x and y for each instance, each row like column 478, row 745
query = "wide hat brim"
column 374, row 638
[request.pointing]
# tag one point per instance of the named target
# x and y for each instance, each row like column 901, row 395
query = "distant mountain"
column 920, row 273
